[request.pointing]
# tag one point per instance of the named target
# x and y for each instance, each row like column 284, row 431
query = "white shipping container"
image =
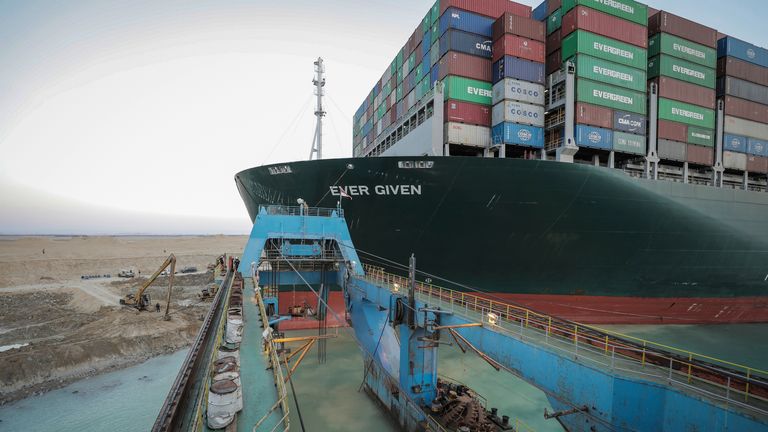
column 434, row 53
column 522, row 91
column 377, row 100
column 393, row 100
column 738, row 126
column 387, row 75
column 378, row 128
column 469, row 135
column 733, row 160
column 517, row 112
column 410, row 100
column 672, row 150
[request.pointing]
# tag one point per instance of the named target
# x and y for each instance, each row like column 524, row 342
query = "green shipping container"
column 434, row 53
column 628, row 143
column 686, row 113
column 418, row 70
column 399, row 76
column 435, row 33
column 610, row 73
column 610, row 96
column 629, row 10
column 664, row 43
column 426, row 23
column 434, row 13
column 412, row 61
column 584, row 42
column 555, row 21
column 702, row 137
column 399, row 59
column 468, row 90
column 381, row 111
column 399, row 93
column 393, row 66
column 387, row 90
column 680, row 69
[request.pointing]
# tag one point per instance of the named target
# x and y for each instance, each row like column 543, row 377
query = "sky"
column 132, row 117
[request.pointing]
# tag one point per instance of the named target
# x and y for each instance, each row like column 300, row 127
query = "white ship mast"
column 319, row 82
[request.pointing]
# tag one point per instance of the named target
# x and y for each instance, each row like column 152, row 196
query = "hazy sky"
column 134, row 116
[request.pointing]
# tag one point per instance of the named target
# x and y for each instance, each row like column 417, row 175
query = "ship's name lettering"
column 363, row 190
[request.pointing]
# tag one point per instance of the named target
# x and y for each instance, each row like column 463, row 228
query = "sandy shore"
column 67, row 328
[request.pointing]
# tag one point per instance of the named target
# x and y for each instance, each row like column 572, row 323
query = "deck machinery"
column 594, row 380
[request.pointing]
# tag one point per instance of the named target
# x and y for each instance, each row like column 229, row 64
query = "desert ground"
column 56, row 327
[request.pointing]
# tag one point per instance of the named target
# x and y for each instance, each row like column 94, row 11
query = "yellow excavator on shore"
column 141, row 300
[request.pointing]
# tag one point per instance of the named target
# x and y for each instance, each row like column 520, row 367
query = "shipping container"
column 757, row 164
column 665, row 22
column 670, row 88
column 745, row 109
column 593, row 137
column 469, row 135
column 468, row 90
column 628, row 122
column 673, row 67
column 466, row 21
column 513, row 67
column 522, row 91
column 469, row 113
column 434, row 53
column 735, row 143
column 629, row 10
column 517, row 112
column 628, row 143
column 735, row 161
column 593, row 115
column 610, row 73
column 732, row 47
column 468, row 66
column 519, row 47
column 553, row 5
column 584, row 18
column 554, row 41
column 747, row 128
column 686, row 113
column 672, row 150
column 469, row 43
column 520, row 26
column 540, row 12
column 742, row 70
column 604, row 48
column 555, row 21
column 701, row 136
column 757, row 147
column 742, row 89
column 700, row 155
column 673, row 131
column 515, row 134
column 610, row 96
column 665, row 43
column 553, row 63
column 491, row 8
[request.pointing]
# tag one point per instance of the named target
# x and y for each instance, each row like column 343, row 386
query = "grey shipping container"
column 672, row 150
column 629, row 122
column 736, row 161
column 747, row 128
column 469, row 135
column 665, row 22
column 741, row 69
column 682, row 91
column 742, row 89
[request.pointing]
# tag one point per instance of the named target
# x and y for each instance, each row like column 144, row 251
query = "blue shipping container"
column 458, row 19
column 593, row 137
column 434, row 76
column 468, row 43
column 540, row 13
column 426, row 41
column 511, row 133
column 730, row 46
column 513, row 67
column 425, row 66
column 757, row 147
column 735, row 143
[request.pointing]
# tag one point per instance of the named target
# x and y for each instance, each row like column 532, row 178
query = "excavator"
column 142, row 301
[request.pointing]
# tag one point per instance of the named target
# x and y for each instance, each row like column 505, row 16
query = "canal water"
column 129, row 399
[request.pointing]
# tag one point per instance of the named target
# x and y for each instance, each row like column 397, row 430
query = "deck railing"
column 736, row 384
column 303, row 211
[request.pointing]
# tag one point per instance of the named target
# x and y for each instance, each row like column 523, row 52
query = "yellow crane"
column 140, row 300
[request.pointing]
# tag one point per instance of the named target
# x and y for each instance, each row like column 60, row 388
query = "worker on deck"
column 157, row 307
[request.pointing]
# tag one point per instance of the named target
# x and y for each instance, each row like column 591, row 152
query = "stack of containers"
column 606, row 40
column 742, row 83
column 682, row 64
column 518, row 103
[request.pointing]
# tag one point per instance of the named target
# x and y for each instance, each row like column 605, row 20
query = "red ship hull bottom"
column 583, row 309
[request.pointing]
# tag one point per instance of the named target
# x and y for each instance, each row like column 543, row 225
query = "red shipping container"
column 518, row 47
column 701, row 155
column 740, row 69
column 520, row 26
column 746, row 109
column 468, row 113
column 757, row 164
column 553, row 5
column 393, row 115
column 670, row 88
column 388, row 102
column 489, row 8
column 369, row 111
column 553, row 63
column 584, row 18
column 466, row 65
column 554, row 41
column 652, row 11
column 665, row 22
column 674, row 131
column 594, row 115
column 393, row 82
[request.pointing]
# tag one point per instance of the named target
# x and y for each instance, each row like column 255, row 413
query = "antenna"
column 319, row 82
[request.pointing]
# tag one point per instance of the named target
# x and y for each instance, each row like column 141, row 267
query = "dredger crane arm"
column 170, row 261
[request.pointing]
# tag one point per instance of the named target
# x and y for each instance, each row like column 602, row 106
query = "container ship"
column 601, row 161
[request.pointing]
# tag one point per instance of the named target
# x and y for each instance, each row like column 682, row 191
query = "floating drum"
column 225, row 351
column 222, row 404
column 234, row 333
column 234, row 377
